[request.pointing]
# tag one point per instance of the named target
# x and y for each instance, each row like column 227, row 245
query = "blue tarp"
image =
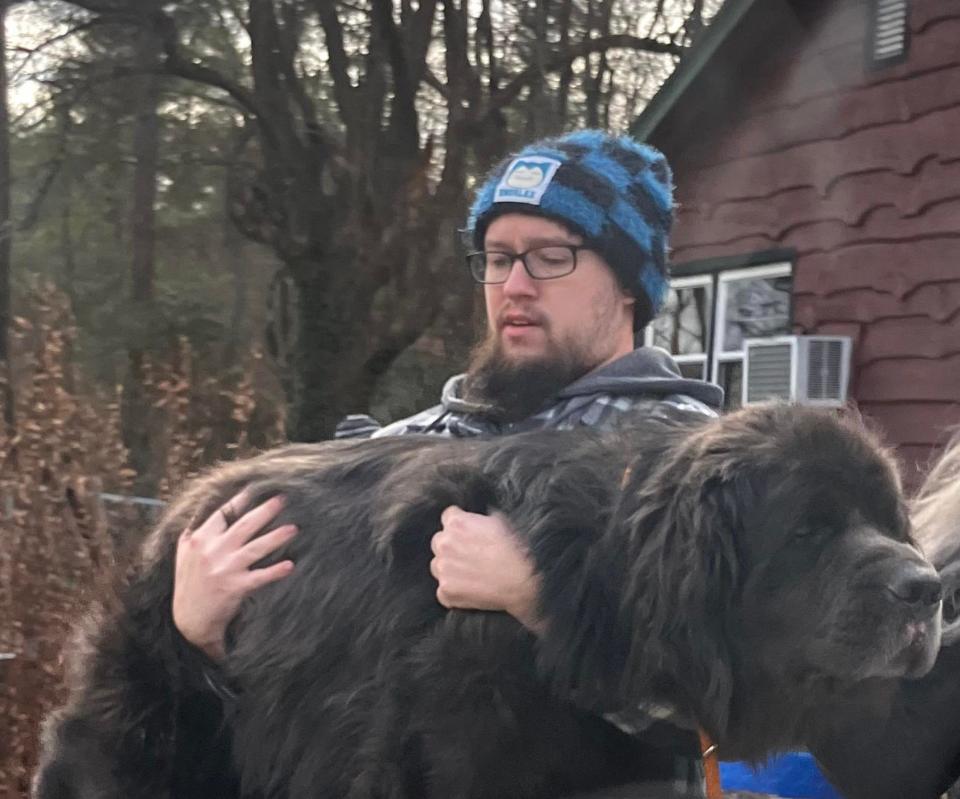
column 792, row 776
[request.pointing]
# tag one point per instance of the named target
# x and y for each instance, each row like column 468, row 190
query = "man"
column 570, row 241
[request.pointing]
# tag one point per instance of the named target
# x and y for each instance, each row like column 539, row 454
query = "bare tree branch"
column 418, row 40
column 181, row 67
column 404, row 128
column 289, row 40
column 694, row 22
column 435, row 83
column 343, row 89
column 373, row 91
column 657, row 17
column 459, row 68
column 566, row 72
column 175, row 62
column 268, row 68
column 30, row 52
column 32, row 213
column 512, row 90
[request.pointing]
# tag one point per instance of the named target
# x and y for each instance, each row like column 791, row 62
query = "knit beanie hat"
column 613, row 191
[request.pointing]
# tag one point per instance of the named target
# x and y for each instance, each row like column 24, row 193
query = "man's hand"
column 480, row 564
column 213, row 572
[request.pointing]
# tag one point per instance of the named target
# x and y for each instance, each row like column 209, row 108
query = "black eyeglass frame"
column 513, row 256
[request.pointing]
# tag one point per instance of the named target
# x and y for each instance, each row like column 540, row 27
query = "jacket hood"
column 647, row 371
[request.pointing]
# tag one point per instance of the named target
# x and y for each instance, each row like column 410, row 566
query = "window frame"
column 723, row 279
column 686, row 282
column 718, row 274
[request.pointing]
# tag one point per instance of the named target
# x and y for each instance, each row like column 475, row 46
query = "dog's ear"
column 680, row 583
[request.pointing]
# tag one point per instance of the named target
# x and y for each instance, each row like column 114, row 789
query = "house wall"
column 858, row 171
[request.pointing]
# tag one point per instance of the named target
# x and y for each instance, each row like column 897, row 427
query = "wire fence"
column 127, row 518
column 58, row 543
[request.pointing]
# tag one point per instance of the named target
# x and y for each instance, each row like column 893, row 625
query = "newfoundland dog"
column 743, row 570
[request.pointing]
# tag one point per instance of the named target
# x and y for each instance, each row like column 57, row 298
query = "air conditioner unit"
column 810, row 370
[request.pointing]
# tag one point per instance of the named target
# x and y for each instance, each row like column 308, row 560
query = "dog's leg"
column 137, row 726
column 478, row 708
column 389, row 762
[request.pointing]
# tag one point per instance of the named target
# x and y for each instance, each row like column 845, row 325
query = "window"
column 751, row 303
column 707, row 317
column 889, row 32
column 683, row 326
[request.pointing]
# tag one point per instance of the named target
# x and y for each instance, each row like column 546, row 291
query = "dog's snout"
column 916, row 584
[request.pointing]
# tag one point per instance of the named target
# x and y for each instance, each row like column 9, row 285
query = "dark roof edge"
column 690, row 66
column 725, row 262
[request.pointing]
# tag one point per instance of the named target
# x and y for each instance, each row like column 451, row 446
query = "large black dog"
column 744, row 570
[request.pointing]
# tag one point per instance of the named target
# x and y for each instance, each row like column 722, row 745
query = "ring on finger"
column 229, row 517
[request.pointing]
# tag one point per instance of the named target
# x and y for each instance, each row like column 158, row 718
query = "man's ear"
column 629, row 305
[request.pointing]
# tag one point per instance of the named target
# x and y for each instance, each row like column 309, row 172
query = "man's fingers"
column 257, row 578
column 442, row 597
column 449, row 514
column 266, row 544
column 253, row 521
column 221, row 519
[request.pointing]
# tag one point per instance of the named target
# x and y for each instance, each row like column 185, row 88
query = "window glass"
column 755, row 307
column 683, row 325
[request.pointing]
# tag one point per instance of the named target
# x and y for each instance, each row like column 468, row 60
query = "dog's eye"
column 812, row 533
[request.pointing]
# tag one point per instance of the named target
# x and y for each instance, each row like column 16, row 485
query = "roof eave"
column 691, row 65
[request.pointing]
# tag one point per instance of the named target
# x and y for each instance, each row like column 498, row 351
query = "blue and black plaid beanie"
column 612, row 190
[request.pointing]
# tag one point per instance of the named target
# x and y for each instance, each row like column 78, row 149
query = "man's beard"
column 515, row 389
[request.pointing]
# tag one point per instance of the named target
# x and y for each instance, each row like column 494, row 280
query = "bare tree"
column 369, row 118
column 6, row 230
column 136, row 409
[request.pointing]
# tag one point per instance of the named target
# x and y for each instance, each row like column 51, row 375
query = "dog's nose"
column 916, row 584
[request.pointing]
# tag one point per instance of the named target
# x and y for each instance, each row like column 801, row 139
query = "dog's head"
column 772, row 547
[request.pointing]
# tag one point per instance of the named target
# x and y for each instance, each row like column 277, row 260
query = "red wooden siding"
column 858, row 171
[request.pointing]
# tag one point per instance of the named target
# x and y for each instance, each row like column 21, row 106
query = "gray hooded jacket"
column 595, row 400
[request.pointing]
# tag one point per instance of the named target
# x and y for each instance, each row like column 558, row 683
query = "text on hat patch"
column 526, row 180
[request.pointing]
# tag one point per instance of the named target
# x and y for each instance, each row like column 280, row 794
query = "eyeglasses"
column 541, row 263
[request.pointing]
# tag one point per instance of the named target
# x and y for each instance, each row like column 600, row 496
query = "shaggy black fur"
column 748, row 570
column 895, row 740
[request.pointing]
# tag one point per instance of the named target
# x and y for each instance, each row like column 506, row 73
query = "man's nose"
column 519, row 282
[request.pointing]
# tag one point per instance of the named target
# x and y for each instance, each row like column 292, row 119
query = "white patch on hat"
column 526, row 179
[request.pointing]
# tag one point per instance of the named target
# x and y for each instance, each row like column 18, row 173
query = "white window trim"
column 720, row 306
column 693, row 281
column 716, row 283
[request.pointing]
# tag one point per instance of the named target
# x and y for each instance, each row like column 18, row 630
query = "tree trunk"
column 330, row 374
column 566, row 74
column 538, row 109
column 68, row 275
column 6, row 229
column 236, row 335
column 136, row 411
